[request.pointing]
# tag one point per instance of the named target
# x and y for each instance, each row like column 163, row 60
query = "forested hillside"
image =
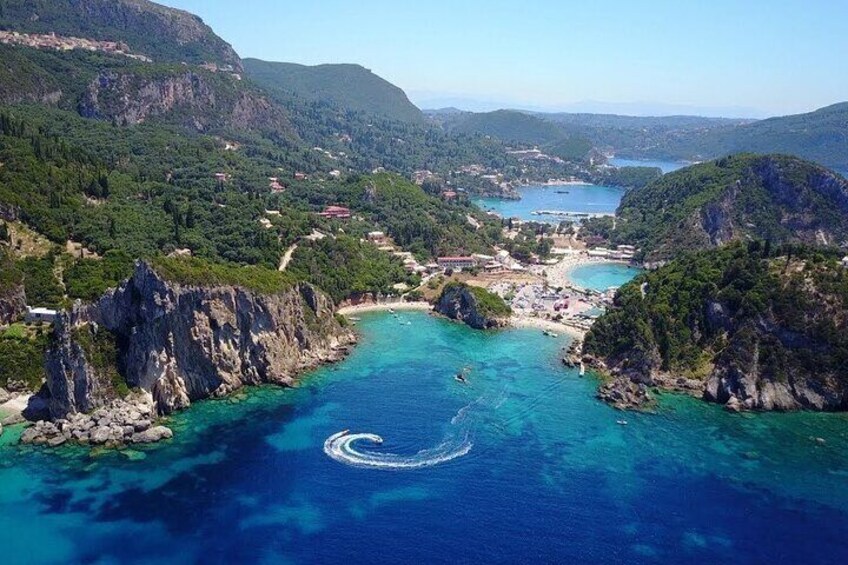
column 161, row 33
column 763, row 326
column 772, row 197
column 350, row 87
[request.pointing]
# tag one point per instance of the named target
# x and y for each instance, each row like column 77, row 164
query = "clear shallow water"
column 549, row 476
column 665, row 166
column 602, row 276
column 571, row 198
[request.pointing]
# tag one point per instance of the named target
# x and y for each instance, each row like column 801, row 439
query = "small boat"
column 563, row 192
column 549, row 333
column 621, row 422
column 460, row 378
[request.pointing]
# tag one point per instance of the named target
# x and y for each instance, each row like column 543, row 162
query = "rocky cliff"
column 183, row 343
column 473, row 306
column 12, row 295
column 12, row 304
column 743, row 327
column 197, row 99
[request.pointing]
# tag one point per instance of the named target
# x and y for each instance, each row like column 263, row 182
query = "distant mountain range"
column 197, row 79
column 430, row 102
column 821, row 136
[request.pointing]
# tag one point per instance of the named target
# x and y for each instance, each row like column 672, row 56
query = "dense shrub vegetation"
column 792, row 300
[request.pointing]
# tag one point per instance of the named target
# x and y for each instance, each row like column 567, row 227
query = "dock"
column 572, row 214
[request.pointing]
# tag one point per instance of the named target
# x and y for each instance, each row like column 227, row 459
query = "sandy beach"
column 11, row 411
column 540, row 324
column 559, row 273
column 398, row 306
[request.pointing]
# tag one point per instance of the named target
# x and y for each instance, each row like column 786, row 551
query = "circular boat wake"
column 344, row 447
column 352, row 449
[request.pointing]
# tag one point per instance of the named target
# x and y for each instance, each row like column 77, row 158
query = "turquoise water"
column 665, row 166
column 547, row 476
column 602, row 276
column 571, row 198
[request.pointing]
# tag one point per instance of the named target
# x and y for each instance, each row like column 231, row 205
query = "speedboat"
column 621, row 422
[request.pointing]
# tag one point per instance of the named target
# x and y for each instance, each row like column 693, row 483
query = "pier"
column 572, row 214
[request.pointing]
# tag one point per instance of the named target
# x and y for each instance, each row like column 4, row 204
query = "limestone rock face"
column 739, row 382
column 184, row 343
column 458, row 302
column 12, row 305
column 74, row 385
column 193, row 97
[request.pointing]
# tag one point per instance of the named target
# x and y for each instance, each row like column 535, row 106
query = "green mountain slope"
column 350, row 87
column 510, row 126
column 820, row 136
column 162, row 33
column 771, row 197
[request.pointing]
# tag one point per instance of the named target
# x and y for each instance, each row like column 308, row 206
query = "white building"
column 456, row 262
column 36, row 315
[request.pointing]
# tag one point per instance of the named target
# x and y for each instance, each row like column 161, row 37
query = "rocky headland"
column 153, row 346
column 742, row 327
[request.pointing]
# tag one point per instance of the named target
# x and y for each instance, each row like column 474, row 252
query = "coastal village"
column 60, row 43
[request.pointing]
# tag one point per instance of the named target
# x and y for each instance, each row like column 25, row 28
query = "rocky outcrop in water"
column 473, row 306
column 184, row 343
column 118, row 422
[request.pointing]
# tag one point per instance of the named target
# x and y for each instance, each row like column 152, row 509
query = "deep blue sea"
column 602, row 276
column 571, row 198
column 522, row 464
column 665, row 166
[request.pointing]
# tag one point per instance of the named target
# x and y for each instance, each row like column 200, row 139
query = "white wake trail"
column 351, row 448
column 342, row 447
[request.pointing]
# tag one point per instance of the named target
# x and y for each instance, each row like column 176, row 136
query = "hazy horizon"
column 729, row 59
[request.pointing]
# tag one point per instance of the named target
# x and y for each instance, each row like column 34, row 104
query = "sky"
column 738, row 58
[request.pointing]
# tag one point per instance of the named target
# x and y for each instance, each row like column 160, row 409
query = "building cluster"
column 337, row 212
column 274, row 185
column 500, row 262
column 59, row 43
column 620, row 253
column 419, row 177
column 216, row 68
column 534, row 155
